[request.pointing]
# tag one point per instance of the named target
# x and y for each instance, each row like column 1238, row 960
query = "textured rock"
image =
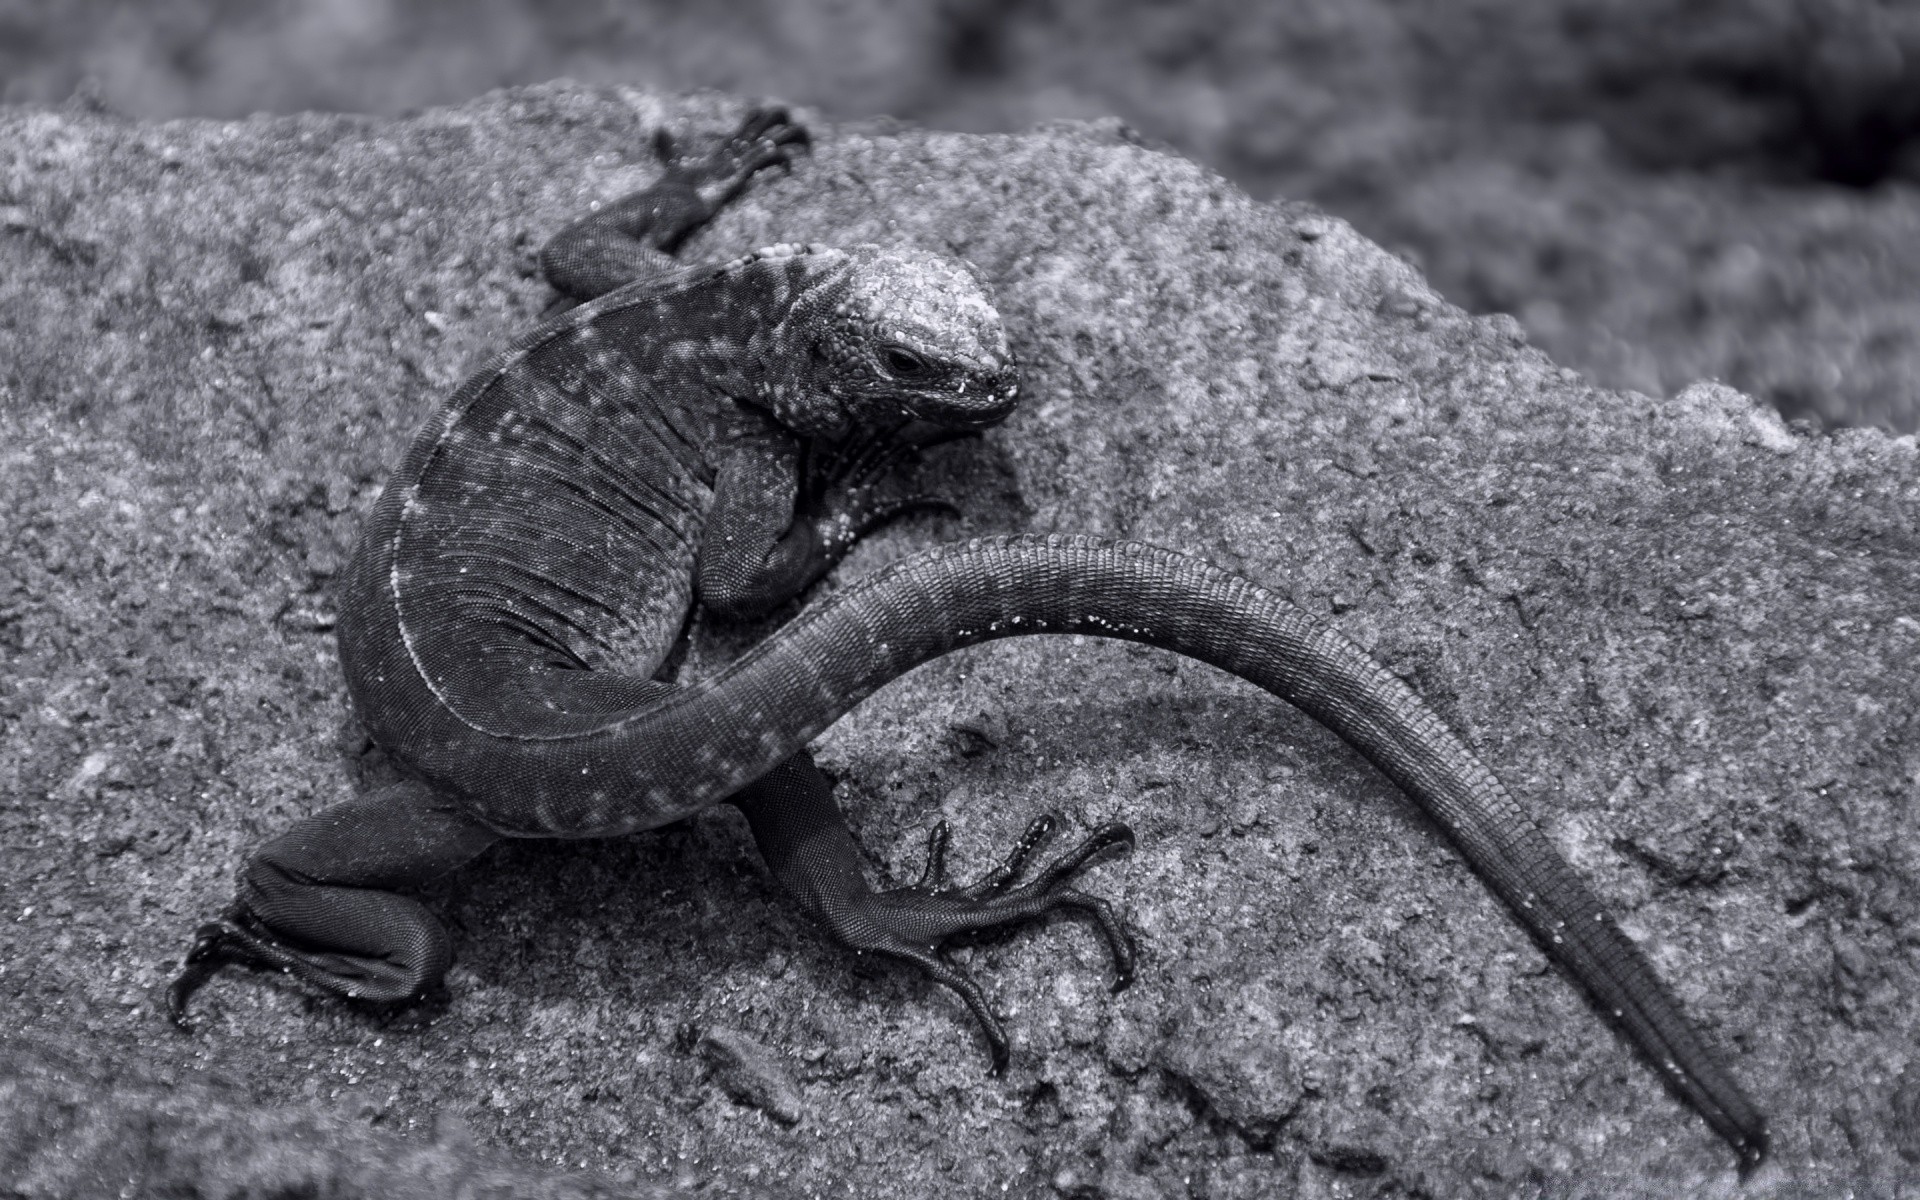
column 1682, row 632
column 1660, row 193
column 79, row 1125
column 1801, row 294
column 750, row 1074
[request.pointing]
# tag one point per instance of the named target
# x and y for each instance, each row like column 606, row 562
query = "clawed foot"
column 239, row 938
column 911, row 923
column 216, row 944
column 767, row 138
column 848, row 495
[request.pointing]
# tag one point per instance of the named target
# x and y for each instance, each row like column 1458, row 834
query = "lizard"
column 718, row 434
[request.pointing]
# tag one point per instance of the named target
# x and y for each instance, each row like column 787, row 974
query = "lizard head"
column 913, row 335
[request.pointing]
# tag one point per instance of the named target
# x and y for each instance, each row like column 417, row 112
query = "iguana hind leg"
column 318, row 901
column 812, row 853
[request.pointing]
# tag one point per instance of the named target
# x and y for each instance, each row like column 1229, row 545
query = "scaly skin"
column 712, row 431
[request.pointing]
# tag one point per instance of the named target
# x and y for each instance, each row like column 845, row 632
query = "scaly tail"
column 694, row 746
column 834, row 655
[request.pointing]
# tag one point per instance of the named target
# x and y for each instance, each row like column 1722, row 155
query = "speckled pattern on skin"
column 553, row 515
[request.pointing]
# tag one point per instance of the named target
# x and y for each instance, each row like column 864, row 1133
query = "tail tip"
column 1752, row 1147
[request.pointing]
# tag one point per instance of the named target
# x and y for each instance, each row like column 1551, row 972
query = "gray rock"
column 76, row 1124
column 1683, row 633
column 1232, row 1057
column 750, row 1073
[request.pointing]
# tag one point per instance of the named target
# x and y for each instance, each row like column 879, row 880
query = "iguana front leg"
column 785, row 511
column 635, row 236
column 810, row 850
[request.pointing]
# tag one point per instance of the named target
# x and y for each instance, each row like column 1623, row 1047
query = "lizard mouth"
column 972, row 406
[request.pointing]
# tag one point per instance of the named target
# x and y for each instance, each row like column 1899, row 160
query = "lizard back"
column 549, row 518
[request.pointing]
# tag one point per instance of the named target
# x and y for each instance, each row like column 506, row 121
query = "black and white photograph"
column 1077, row 599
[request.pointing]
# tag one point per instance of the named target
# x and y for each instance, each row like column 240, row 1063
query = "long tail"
column 705, row 741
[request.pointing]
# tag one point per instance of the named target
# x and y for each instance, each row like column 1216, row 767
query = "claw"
column 865, row 456
column 1113, row 833
column 842, row 484
column 911, row 923
column 180, row 992
column 212, row 949
column 1126, row 957
column 1007, row 873
column 933, row 877
column 768, row 136
column 1048, row 884
column 237, row 938
column 874, row 459
column 754, row 128
column 962, row 984
column 863, row 459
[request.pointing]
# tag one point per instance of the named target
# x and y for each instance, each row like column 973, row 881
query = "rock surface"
column 1660, row 193
column 1686, row 636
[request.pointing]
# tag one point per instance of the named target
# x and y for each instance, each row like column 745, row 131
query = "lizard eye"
column 904, row 363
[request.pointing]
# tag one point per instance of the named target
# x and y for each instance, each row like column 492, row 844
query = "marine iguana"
column 719, row 432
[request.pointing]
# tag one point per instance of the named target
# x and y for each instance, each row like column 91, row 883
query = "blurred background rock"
column 1660, row 192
